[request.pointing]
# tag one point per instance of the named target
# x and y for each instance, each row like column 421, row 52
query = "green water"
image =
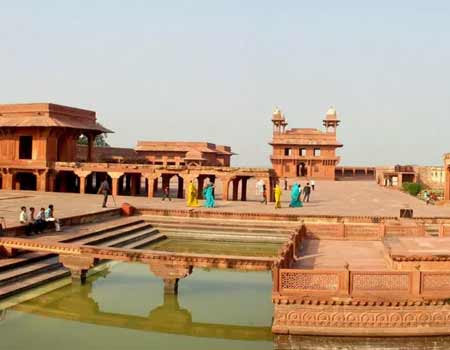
column 181, row 245
column 124, row 308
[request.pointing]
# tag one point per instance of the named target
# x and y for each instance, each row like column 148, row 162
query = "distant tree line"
column 100, row 141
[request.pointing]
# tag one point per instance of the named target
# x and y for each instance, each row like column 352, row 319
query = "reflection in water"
column 288, row 342
column 74, row 302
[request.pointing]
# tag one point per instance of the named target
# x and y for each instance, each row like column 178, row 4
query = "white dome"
column 331, row 111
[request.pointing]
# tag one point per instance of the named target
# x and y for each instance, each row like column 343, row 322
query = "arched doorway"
column 25, row 181
column 302, row 170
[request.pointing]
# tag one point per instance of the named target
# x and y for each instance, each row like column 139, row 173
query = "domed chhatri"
column 331, row 112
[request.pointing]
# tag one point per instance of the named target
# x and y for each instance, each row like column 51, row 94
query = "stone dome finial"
column 331, row 111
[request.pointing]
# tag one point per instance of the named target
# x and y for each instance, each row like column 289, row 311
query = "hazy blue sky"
column 214, row 70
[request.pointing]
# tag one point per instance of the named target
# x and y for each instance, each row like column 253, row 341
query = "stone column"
column 244, row 189
column 180, row 193
column 152, row 179
column 90, row 147
column 51, row 179
column 82, row 175
column 225, row 188
column 135, row 180
column 236, row 188
column 115, row 182
column 7, row 179
column 41, row 180
column 201, row 181
column 170, row 272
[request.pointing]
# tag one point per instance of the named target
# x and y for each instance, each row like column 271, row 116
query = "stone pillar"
column 225, row 188
column 115, row 182
column 90, row 147
column 236, row 188
column 82, row 175
column 78, row 265
column 152, row 184
column 170, row 272
column 180, row 193
column 201, row 181
column 135, row 181
column 7, row 179
column 41, row 180
column 271, row 189
column 51, row 181
column 244, row 189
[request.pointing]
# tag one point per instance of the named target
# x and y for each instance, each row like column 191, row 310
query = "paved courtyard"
column 329, row 198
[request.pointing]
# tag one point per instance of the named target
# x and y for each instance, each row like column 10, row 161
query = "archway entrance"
column 302, row 170
column 25, row 181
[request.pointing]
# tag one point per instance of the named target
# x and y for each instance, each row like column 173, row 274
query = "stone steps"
column 145, row 241
column 127, row 239
column 33, row 281
column 224, row 235
column 111, row 234
column 29, row 270
column 23, row 259
column 94, row 230
column 224, row 222
column 223, row 228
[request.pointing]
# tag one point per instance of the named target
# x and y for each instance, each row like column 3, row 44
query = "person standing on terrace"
column 192, row 200
column 104, row 189
column 208, row 194
column 278, row 193
column 295, row 197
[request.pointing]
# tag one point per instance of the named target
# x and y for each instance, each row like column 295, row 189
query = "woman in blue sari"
column 295, row 196
column 208, row 195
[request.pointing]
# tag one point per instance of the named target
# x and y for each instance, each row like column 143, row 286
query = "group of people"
column 37, row 223
column 208, row 195
column 296, row 194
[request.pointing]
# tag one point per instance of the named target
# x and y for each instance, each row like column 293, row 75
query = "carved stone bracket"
column 170, row 272
column 78, row 266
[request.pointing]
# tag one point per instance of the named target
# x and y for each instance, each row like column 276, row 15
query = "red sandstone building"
column 307, row 153
column 39, row 151
column 184, row 153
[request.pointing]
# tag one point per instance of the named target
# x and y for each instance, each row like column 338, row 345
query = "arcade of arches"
column 137, row 180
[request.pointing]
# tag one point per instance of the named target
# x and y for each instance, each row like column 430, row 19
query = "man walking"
column 104, row 189
column 313, row 185
column 307, row 192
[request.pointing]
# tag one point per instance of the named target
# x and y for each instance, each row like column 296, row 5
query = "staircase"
column 222, row 230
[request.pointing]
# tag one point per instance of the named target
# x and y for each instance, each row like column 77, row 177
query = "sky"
column 214, row 71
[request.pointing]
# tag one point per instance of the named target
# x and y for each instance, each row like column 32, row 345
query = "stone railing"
column 363, row 285
column 361, row 231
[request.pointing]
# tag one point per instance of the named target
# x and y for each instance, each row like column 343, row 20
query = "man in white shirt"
column 23, row 217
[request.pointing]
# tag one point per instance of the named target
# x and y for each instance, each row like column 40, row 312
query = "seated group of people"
column 38, row 223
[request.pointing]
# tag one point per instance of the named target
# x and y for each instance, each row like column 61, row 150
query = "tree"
column 100, row 141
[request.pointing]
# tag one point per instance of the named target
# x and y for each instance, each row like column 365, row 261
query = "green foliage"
column 412, row 188
column 100, row 141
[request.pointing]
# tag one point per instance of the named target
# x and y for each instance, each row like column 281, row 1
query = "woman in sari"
column 208, row 194
column 278, row 193
column 295, row 196
column 192, row 200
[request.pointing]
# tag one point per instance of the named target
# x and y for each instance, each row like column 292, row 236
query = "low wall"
column 217, row 214
column 361, row 303
column 69, row 221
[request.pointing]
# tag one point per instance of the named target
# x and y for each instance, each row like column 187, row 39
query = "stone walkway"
column 360, row 198
column 359, row 255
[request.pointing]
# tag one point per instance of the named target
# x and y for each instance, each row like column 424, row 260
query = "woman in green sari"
column 295, row 197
